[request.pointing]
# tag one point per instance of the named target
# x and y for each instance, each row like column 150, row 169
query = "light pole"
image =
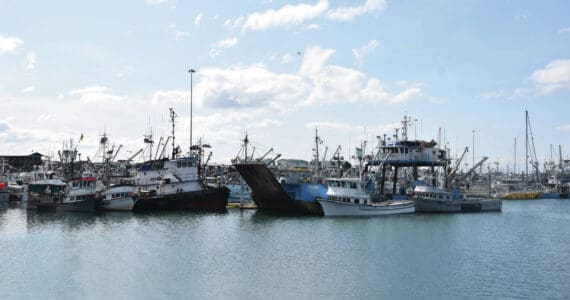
column 191, row 71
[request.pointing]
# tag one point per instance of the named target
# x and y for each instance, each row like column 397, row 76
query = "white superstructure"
column 347, row 197
column 168, row 176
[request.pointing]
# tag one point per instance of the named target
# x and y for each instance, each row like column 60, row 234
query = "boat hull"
column 79, row 206
column 122, row 204
column 268, row 194
column 210, row 199
column 437, row 206
column 343, row 209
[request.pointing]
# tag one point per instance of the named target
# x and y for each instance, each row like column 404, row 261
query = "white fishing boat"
column 348, row 197
column 121, row 197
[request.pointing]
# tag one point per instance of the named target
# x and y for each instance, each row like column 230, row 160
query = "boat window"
column 178, row 164
column 440, row 197
column 353, row 185
column 357, row 201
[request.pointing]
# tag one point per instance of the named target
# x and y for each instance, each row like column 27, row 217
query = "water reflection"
column 69, row 221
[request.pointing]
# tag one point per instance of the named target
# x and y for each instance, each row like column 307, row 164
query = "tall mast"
column 245, row 142
column 172, row 118
column 515, row 163
column 526, row 147
column 191, row 71
column 317, row 141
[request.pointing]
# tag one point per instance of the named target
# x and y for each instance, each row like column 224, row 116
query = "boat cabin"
column 347, row 190
column 434, row 193
column 414, row 153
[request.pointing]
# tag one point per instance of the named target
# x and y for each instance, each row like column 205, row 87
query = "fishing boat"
column 119, row 197
column 435, row 199
column 348, row 197
column 289, row 186
column 176, row 183
column 55, row 195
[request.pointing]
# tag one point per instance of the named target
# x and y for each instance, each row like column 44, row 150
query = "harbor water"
column 521, row 252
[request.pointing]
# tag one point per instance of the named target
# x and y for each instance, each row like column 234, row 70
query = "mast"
column 245, row 142
column 317, row 141
column 172, row 118
column 526, row 147
column 515, row 163
column 191, row 71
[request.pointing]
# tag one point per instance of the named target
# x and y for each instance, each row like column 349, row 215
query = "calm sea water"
column 523, row 252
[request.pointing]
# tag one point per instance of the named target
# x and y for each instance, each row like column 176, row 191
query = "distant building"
column 20, row 163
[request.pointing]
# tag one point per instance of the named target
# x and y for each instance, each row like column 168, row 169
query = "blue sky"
column 278, row 69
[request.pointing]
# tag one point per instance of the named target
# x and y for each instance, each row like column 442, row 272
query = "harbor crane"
column 455, row 168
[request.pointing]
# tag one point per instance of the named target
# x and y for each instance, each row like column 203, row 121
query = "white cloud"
column 218, row 47
column 249, row 87
column 554, row 77
column 170, row 97
column 564, row 30
column 227, row 43
column 198, row 19
column 333, row 84
column 348, row 13
column 315, row 83
column 29, row 89
column 285, row 16
column 362, row 52
column 31, row 61
column 9, row 44
column 155, row 2
column 96, row 95
column 290, row 15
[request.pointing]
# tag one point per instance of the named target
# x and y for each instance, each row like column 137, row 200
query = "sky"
column 278, row 70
